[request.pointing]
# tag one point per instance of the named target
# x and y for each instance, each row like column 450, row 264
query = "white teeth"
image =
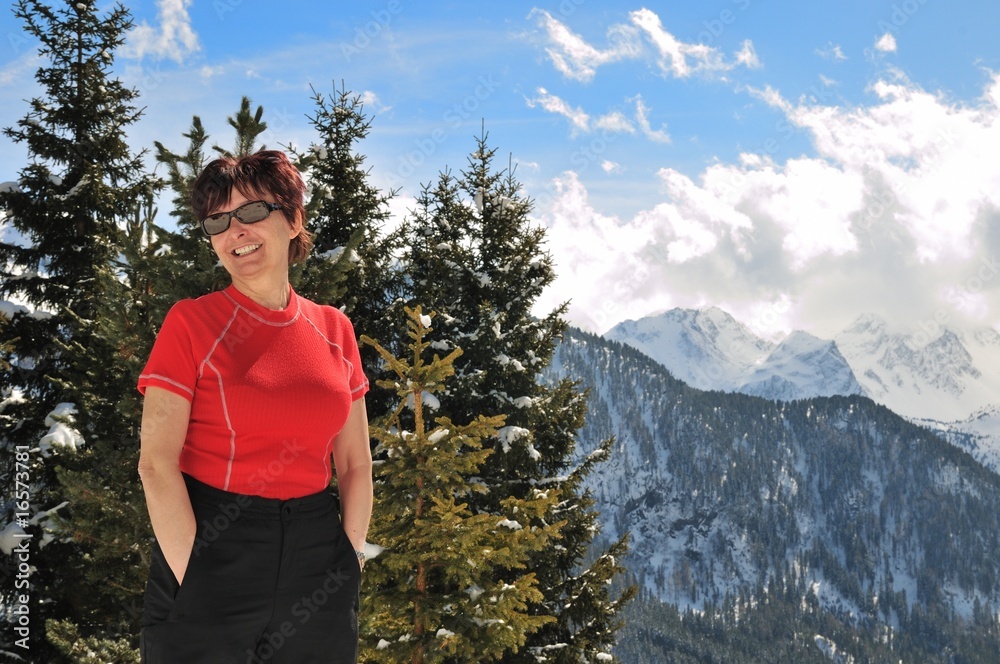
column 243, row 251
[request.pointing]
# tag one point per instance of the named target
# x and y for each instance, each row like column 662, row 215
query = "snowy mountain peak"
column 708, row 349
column 711, row 350
column 869, row 324
column 938, row 379
column 943, row 378
column 801, row 367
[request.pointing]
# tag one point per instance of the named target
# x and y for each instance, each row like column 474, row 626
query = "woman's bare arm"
column 165, row 418
column 352, row 458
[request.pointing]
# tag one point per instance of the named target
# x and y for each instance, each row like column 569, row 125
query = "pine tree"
column 64, row 395
column 353, row 262
column 476, row 258
column 189, row 267
column 451, row 583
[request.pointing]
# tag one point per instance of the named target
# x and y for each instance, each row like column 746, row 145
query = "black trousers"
column 268, row 580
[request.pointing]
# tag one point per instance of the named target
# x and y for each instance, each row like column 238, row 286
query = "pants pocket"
column 161, row 589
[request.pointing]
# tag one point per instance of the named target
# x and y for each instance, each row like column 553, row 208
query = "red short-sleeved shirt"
column 269, row 390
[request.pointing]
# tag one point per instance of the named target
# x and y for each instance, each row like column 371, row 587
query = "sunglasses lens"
column 251, row 213
column 215, row 224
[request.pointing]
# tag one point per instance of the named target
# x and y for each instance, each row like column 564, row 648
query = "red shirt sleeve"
column 171, row 363
column 357, row 380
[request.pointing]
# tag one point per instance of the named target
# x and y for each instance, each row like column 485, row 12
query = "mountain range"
column 852, row 513
column 947, row 382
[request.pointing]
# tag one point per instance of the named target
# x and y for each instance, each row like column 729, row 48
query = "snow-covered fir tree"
column 80, row 199
column 452, row 583
column 477, row 259
column 353, row 264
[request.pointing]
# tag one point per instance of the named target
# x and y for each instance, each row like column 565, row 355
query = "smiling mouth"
column 249, row 249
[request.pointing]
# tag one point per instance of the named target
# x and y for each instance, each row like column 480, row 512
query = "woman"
column 248, row 392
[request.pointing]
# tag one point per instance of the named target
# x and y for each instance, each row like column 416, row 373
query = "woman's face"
column 251, row 251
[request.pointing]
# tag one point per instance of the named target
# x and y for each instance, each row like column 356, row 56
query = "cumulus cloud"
column 174, row 39
column 895, row 211
column 644, row 36
column 747, row 56
column 886, row 43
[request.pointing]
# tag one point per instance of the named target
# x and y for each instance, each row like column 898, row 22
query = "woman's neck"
column 273, row 296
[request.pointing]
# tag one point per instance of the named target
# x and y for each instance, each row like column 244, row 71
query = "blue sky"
column 795, row 163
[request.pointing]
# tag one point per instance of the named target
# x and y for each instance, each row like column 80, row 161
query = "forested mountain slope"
column 836, row 501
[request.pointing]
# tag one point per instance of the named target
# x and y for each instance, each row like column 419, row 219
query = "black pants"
column 268, row 580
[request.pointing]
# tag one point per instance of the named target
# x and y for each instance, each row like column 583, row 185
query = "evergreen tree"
column 451, row 584
column 476, row 258
column 354, row 261
column 189, row 267
column 65, row 397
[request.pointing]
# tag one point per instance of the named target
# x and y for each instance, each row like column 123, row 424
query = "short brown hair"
column 258, row 174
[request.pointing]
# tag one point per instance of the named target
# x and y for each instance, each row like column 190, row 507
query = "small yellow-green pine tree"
column 451, row 583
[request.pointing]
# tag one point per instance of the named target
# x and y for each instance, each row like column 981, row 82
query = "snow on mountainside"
column 707, row 349
column 710, row 350
column 801, row 367
column 949, row 382
column 946, row 379
column 978, row 434
column 863, row 513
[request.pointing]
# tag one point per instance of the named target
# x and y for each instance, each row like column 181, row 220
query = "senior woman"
column 248, row 394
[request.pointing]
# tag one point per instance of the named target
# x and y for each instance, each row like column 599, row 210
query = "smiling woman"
column 249, row 392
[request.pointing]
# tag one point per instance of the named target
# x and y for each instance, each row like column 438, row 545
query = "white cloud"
column 18, row 72
column 575, row 58
column 771, row 97
column 175, row 39
column 599, row 260
column 615, row 122
column 553, row 104
column 747, row 56
column 895, row 211
column 642, row 117
column 611, row 166
column 372, row 101
column 886, row 43
column 207, row 71
column 832, row 52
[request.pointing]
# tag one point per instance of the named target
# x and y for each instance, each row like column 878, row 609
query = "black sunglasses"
column 248, row 213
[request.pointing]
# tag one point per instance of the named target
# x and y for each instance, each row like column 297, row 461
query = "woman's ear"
column 295, row 226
